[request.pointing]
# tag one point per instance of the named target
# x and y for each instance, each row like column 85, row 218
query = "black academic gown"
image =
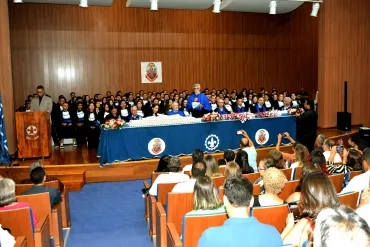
column 92, row 129
column 79, row 118
column 306, row 129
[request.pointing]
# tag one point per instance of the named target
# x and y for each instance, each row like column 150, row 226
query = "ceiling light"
column 273, row 5
column 315, row 9
column 83, row 4
column 216, row 6
column 154, row 5
column 18, row 1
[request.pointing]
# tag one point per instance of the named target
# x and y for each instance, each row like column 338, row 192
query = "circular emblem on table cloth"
column 212, row 142
column 262, row 136
column 156, row 146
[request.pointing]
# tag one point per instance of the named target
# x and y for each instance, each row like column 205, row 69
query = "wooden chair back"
column 146, row 201
column 288, row 173
column 297, row 173
column 20, row 188
column 289, row 188
column 155, row 175
column 161, row 236
column 188, row 173
column 173, row 237
column 353, row 174
column 349, row 199
column 252, row 177
column 256, row 191
column 163, row 190
column 337, row 181
column 195, row 225
column 222, row 170
column 20, row 242
column 219, row 181
column 152, row 218
column 272, row 215
column 178, row 205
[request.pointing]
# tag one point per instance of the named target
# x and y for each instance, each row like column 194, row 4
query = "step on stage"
column 75, row 166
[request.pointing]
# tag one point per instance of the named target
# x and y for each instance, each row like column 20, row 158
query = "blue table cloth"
column 133, row 143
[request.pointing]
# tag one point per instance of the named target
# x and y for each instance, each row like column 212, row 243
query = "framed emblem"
column 151, row 72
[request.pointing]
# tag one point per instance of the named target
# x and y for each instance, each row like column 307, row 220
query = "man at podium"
column 42, row 102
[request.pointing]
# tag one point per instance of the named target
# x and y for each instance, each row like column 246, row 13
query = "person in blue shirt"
column 198, row 103
column 241, row 229
column 221, row 108
column 240, row 106
column 260, row 107
column 175, row 110
column 134, row 115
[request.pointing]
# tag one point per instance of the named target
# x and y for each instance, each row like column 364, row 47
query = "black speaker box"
column 344, row 120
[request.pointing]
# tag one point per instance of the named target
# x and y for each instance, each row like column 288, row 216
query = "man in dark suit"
column 221, row 108
column 38, row 177
column 307, row 125
column 240, row 106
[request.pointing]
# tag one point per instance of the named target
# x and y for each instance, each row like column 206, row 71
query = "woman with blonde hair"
column 232, row 170
column 205, row 197
column 212, row 166
column 274, row 182
column 301, row 155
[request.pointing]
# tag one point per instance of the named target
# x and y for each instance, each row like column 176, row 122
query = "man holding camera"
column 307, row 124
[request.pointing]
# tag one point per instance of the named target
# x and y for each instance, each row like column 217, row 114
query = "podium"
column 33, row 134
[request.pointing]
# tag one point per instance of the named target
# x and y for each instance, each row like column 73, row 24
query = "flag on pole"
column 4, row 154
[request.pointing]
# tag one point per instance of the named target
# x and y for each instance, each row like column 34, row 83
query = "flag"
column 4, row 154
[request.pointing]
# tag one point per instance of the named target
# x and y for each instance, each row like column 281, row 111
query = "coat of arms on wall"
column 151, row 72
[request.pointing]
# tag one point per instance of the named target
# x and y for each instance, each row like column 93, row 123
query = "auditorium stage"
column 76, row 166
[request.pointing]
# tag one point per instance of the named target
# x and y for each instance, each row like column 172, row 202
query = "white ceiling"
column 259, row 6
column 172, row 4
column 74, row 2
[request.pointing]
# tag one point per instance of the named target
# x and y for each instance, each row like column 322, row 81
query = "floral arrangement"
column 113, row 124
column 212, row 117
column 274, row 113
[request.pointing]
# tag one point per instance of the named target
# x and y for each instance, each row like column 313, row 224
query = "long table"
column 134, row 143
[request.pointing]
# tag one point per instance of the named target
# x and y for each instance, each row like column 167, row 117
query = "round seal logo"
column 31, row 130
column 156, row 146
column 262, row 136
column 212, row 142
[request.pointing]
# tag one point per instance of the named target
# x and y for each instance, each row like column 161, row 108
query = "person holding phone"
column 247, row 145
column 352, row 161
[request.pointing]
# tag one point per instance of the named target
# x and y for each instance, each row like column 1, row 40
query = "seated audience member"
column 38, row 177
column 307, row 168
column 213, row 102
column 163, row 164
column 242, row 160
column 221, row 109
column 341, row 226
column 48, row 178
column 174, row 175
column 6, row 240
column 221, row 163
column 196, row 156
column 92, row 129
column 232, row 170
column 175, row 110
column 212, row 166
column 205, row 198
column 155, row 111
column 318, row 192
column 360, row 144
column 277, row 159
column 363, row 208
column 274, row 182
column 240, row 106
column 352, row 161
column 301, row 155
column 198, row 169
column 229, row 155
column 327, row 146
column 267, row 102
column 360, row 182
column 240, row 229
column 287, row 103
column 66, row 126
column 114, row 115
column 286, row 156
column 134, row 114
column 8, row 199
column 228, row 104
column 264, row 164
column 124, row 111
column 319, row 142
column 317, row 156
column 247, row 145
column 79, row 120
column 260, row 106
column 104, row 114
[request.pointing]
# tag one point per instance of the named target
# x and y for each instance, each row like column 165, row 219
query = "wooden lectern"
column 33, row 134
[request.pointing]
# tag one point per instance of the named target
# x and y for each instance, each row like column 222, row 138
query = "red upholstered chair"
column 272, row 215
column 289, row 188
column 252, row 177
column 349, row 199
column 337, row 181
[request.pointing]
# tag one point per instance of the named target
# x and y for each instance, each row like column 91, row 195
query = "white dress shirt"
column 187, row 168
column 6, row 239
column 185, row 187
column 358, row 183
column 252, row 157
column 167, row 178
column 337, row 158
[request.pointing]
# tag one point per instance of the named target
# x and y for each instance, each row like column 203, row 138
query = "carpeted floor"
column 108, row 215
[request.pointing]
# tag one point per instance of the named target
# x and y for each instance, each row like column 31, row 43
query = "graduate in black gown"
column 113, row 115
column 124, row 112
column 92, row 127
column 79, row 120
column 103, row 114
column 66, row 129
column 241, row 106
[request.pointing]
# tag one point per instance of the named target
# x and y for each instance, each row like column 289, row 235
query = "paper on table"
column 195, row 104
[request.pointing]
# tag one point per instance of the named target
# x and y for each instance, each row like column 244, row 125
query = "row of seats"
column 166, row 213
column 51, row 219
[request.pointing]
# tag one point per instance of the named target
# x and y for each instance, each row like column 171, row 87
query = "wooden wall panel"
column 6, row 85
column 344, row 55
column 104, row 46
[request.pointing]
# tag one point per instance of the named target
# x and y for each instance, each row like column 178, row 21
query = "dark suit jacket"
column 54, row 194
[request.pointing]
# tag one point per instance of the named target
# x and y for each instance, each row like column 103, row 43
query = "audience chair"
column 252, row 177
column 272, row 215
column 178, row 205
column 337, row 181
column 146, row 201
column 297, row 173
column 20, row 222
column 155, row 175
column 256, row 191
column 20, row 242
column 219, row 181
column 160, row 219
column 193, row 227
column 222, row 170
column 40, row 204
column 288, row 173
column 349, row 199
column 289, row 188
column 353, row 174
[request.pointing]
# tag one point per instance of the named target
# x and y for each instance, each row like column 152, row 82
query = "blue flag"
column 4, row 154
